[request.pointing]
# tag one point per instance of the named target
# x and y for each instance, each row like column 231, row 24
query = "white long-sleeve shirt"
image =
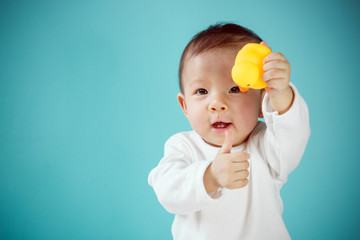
column 252, row 212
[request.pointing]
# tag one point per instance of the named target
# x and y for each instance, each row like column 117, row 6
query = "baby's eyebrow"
column 196, row 81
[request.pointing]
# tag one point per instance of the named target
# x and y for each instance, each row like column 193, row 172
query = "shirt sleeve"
column 286, row 136
column 178, row 179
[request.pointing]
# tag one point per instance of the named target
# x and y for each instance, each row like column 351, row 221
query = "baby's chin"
column 218, row 142
column 215, row 142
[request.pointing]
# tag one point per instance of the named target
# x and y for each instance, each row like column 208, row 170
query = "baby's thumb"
column 227, row 145
column 265, row 44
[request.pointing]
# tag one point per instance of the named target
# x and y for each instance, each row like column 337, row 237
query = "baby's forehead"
column 215, row 51
column 218, row 55
column 211, row 64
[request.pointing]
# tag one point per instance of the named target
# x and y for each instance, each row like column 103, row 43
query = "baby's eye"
column 201, row 91
column 234, row 90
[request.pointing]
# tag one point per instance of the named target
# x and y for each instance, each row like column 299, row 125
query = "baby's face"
column 213, row 103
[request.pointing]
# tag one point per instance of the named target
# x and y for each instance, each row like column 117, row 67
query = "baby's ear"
column 261, row 115
column 181, row 99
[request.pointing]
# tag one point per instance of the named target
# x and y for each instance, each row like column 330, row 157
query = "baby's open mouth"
column 220, row 125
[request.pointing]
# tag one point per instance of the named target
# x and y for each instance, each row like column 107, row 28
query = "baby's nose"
column 218, row 106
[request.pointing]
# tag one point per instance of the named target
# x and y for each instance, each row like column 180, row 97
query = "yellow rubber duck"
column 248, row 68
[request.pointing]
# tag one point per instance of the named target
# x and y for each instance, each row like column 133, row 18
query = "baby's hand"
column 228, row 170
column 276, row 72
column 277, row 77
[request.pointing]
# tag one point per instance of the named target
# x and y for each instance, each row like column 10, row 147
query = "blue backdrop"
column 88, row 98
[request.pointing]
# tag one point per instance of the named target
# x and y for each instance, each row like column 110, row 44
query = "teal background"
column 88, row 98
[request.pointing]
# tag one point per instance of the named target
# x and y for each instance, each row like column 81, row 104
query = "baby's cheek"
column 196, row 120
column 249, row 117
column 250, row 109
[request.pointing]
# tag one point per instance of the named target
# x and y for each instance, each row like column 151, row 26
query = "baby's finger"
column 227, row 145
column 276, row 64
column 265, row 44
column 240, row 157
column 274, row 86
column 274, row 56
column 274, row 83
column 239, row 183
column 273, row 74
column 240, row 166
column 244, row 174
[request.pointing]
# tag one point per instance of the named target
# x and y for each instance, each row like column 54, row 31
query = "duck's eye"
column 201, row 91
column 234, row 90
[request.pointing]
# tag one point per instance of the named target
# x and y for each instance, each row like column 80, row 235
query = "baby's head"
column 209, row 98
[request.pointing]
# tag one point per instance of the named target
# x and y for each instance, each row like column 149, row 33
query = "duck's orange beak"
column 242, row 89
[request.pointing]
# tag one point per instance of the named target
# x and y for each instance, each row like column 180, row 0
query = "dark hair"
column 220, row 35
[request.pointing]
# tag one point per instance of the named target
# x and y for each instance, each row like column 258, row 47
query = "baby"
column 223, row 179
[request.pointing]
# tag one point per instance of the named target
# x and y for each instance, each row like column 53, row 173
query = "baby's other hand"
column 277, row 77
column 276, row 73
column 228, row 170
